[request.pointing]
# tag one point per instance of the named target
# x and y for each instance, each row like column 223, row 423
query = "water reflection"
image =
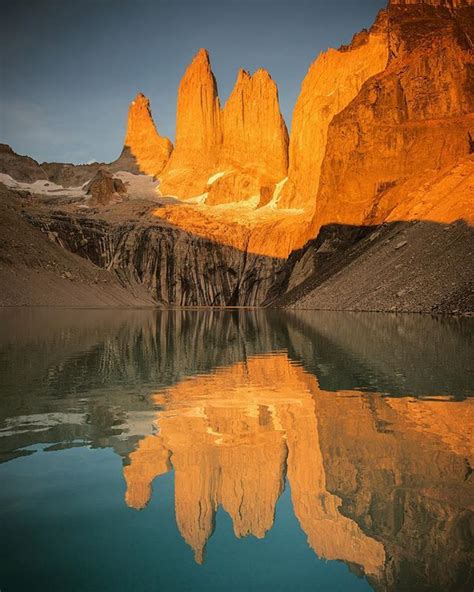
column 371, row 477
column 232, row 437
column 365, row 418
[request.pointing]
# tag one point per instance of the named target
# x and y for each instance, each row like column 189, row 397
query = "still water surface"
column 235, row 450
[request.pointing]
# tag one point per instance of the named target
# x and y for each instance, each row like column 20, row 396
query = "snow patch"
column 42, row 187
column 273, row 203
column 198, row 199
column 216, row 176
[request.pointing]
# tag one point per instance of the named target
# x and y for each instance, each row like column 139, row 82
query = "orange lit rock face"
column 443, row 196
column 331, row 83
column 232, row 154
column 254, row 153
column 437, row 3
column 150, row 150
column 255, row 134
column 265, row 231
column 417, row 115
column 371, row 121
column 198, row 131
column 233, row 157
column 268, row 214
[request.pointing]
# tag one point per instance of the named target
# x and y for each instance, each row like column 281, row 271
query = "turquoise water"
column 235, row 450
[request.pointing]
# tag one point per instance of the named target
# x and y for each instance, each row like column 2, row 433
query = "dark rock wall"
column 178, row 268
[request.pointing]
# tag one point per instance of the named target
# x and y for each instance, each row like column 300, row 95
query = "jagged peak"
column 262, row 74
column 202, row 56
column 150, row 150
column 200, row 67
column 141, row 97
column 362, row 37
column 139, row 104
column 242, row 75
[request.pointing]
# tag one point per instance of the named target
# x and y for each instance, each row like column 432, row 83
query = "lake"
column 236, row 450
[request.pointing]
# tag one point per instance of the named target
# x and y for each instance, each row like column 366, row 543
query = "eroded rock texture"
column 105, row 189
column 332, row 82
column 176, row 267
column 254, row 153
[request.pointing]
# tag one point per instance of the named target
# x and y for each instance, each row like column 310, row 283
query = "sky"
column 69, row 68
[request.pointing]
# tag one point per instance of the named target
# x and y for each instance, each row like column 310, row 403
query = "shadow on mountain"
column 415, row 266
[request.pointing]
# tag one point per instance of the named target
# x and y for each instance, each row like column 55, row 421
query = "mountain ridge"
column 375, row 123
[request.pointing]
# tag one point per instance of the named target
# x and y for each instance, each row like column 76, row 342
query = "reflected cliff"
column 233, row 437
column 382, row 484
column 363, row 421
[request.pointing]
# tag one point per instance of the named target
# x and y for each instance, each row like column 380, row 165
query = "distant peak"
column 6, row 149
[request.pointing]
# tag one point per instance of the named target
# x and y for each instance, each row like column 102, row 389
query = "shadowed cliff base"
column 400, row 266
column 36, row 271
column 414, row 266
column 60, row 258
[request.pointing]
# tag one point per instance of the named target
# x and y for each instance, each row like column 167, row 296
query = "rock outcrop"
column 437, row 3
column 415, row 116
column 254, row 152
column 332, row 82
column 231, row 155
column 19, row 167
column 104, row 189
column 198, row 131
column 149, row 150
column 177, row 267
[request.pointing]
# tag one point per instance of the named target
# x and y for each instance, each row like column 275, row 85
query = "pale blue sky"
column 69, row 68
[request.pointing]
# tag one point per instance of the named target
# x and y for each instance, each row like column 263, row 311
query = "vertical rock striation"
column 416, row 115
column 332, row 82
column 228, row 155
column 254, row 153
column 198, row 131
